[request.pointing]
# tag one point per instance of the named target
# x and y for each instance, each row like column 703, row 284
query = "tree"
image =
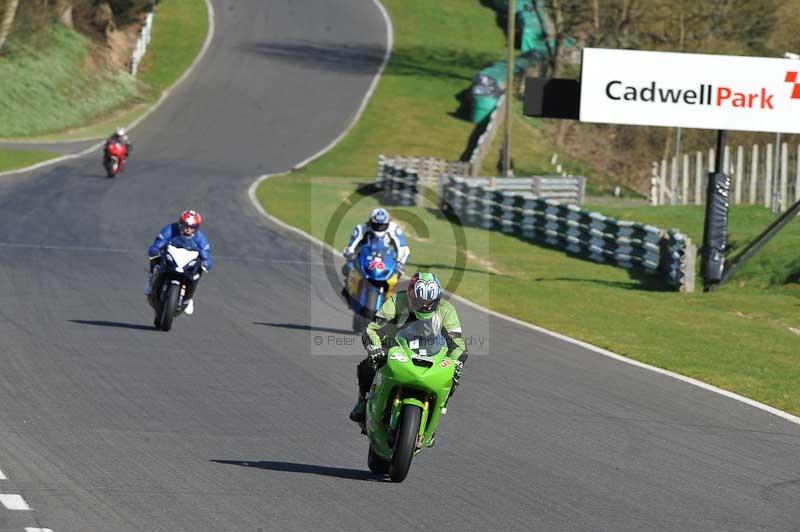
column 566, row 18
column 8, row 20
column 785, row 37
column 726, row 26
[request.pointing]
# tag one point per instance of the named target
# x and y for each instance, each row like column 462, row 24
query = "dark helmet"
column 424, row 294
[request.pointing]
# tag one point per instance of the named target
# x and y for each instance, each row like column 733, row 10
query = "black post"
column 760, row 241
column 715, row 229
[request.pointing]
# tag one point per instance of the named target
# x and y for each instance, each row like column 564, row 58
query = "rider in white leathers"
column 379, row 224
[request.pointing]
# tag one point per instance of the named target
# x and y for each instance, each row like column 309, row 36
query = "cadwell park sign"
column 690, row 90
column 668, row 89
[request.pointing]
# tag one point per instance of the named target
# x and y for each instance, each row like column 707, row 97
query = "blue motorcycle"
column 371, row 279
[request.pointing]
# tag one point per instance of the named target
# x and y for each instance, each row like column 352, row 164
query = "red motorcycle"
column 114, row 158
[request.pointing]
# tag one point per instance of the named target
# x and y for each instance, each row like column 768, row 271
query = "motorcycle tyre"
column 170, row 307
column 360, row 322
column 112, row 167
column 406, row 442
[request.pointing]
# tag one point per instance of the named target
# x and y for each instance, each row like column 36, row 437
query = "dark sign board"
column 552, row 98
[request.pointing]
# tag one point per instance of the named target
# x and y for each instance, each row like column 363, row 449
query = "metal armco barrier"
column 141, row 44
column 585, row 234
column 399, row 178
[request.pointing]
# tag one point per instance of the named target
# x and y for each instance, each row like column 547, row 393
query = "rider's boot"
column 358, row 413
column 189, row 309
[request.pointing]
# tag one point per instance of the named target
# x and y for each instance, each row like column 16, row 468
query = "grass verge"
column 50, row 91
column 179, row 31
column 742, row 338
column 12, row 159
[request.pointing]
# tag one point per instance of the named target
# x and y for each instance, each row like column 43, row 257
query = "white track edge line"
column 375, row 80
column 164, row 95
column 599, row 350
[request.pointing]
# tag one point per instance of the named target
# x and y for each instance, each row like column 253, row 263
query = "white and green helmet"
column 424, row 294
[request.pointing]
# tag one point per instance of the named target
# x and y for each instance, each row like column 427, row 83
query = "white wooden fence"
column 754, row 179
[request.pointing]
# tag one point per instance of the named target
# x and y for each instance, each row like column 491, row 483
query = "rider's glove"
column 204, row 267
column 459, row 370
column 376, row 354
column 349, row 255
column 401, row 268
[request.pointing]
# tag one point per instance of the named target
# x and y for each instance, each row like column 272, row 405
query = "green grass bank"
column 51, row 94
column 51, row 89
column 11, row 159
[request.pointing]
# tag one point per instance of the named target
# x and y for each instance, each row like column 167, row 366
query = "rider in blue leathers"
column 381, row 225
column 188, row 225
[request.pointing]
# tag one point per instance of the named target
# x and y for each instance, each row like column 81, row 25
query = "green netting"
column 520, row 5
column 496, row 72
column 482, row 107
column 531, row 34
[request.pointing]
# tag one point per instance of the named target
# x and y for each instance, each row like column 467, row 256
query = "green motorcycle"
column 408, row 397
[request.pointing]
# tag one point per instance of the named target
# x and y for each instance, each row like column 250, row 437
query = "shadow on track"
column 292, row 467
column 302, row 327
column 428, row 61
column 120, row 325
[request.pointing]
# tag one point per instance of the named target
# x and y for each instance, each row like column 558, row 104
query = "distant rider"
column 119, row 136
column 422, row 300
column 188, row 225
column 379, row 224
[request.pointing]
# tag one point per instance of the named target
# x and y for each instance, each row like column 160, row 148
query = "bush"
column 125, row 11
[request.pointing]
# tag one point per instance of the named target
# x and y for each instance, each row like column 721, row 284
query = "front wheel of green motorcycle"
column 406, row 442
column 376, row 464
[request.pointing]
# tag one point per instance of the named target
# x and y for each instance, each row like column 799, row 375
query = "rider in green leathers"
column 421, row 301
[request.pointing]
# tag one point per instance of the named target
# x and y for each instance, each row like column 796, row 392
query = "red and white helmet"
column 190, row 219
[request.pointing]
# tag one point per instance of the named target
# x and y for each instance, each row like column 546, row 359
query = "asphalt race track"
column 233, row 421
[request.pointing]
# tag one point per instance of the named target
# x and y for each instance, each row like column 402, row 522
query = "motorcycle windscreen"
column 424, row 337
column 182, row 256
column 377, row 259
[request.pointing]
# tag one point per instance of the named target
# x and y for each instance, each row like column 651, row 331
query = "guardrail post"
column 754, row 176
column 739, row 172
column 685, row 181
column 698, row 178
column 768, row 176
column 784, row 176
column 797, row 175
column 689, row 267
